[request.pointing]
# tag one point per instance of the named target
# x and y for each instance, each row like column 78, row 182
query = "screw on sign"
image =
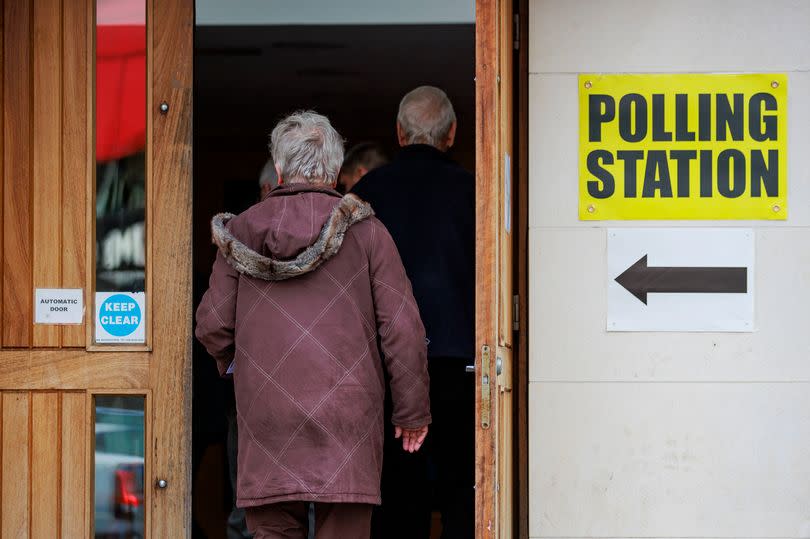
column 120, row 315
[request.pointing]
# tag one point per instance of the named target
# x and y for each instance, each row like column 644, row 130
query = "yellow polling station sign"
column 682, row 146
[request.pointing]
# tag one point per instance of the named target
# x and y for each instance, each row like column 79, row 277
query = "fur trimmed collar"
column 350, row 210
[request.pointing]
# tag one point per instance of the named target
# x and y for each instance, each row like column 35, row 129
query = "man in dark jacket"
column 305, row 285
column 427, row 202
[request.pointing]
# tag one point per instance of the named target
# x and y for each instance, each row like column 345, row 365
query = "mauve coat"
column 304, row 285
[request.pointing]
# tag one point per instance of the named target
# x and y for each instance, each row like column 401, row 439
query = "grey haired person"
column 305, row 285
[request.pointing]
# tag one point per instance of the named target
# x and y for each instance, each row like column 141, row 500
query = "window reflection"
column 119, row 466
column 120, row 145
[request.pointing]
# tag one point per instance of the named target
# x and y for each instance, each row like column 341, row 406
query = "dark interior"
column 246, row 79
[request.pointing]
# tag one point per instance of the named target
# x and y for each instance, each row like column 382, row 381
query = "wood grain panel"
column 73, row 369
column 487, row 213
column 2, row 159
column 74, row 491
column 47, row 149
column 505, row 147
column 17, row 292
column 75, row 156
column 170, row 219
column 506, row 463
column 16, row 464
column 45, row 465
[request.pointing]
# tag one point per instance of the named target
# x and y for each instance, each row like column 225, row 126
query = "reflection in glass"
column 119, row 462
column 120, row 145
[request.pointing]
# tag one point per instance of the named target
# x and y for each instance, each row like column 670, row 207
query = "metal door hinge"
column 516, row 34
column 516, row 312
column 486, row 356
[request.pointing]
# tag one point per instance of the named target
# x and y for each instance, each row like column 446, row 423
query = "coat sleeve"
column 216, row 315
column 402, row 334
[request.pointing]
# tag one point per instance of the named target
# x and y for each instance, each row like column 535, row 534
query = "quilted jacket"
column 304, row 287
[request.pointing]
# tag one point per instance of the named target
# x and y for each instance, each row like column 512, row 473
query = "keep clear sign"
column 680, row 279
column 692, row 146
column 120, row 317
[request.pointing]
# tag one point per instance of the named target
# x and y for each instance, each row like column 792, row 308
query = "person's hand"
column 412, row 439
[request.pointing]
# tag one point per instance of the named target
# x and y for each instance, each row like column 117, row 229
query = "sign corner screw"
column 776, row 208
column 591, row 208
column 588, row 85
column 775, row 84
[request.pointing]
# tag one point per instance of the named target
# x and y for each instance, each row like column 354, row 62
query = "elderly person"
column 304, row 285
column 268, row 179
column 427, row 202
column 361, row 159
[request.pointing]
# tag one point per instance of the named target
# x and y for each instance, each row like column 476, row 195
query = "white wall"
column 651, row 434
column 270, row 12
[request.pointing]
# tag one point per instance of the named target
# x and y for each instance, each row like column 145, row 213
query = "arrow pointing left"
column 641, row 279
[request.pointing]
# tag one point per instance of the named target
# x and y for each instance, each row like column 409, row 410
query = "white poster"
column 120, row 317
column 58, row 306
column 680, row 279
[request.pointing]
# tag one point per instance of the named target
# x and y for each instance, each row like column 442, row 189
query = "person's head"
column 268, row 178
column 426, row 116
column 359, row 160
column 306, row 149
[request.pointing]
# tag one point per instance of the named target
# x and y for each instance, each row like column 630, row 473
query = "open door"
column 95, row 435
column 494, row 268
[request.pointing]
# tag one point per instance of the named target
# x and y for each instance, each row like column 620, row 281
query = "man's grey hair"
column 268, row 176
column 306, row 148
column 426, row 115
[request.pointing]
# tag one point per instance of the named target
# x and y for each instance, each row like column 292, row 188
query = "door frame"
column 486, row 248
column 496, row 60
column 490, row 56
column 172, row 82
column 521, row 279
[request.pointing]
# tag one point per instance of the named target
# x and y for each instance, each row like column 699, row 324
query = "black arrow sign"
column 639, row 280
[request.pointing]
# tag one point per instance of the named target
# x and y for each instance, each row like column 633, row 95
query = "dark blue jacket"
column 427, row 202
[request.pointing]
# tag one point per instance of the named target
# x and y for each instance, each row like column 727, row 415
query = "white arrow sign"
column 680, row 279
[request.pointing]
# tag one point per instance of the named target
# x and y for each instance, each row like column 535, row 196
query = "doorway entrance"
column 352, row 66
column 61, row 386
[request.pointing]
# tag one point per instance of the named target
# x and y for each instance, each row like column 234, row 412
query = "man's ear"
column 401, row 138
column 278, row 173
column 451, row 135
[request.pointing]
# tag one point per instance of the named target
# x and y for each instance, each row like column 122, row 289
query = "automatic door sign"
column 691, row 146
column 120, row 317
column 58, row 306
column 684, row 279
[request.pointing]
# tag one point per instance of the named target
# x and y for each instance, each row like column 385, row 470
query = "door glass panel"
column 119, row 466
column 120, row 132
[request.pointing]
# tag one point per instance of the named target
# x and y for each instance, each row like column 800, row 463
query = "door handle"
column 469, row 368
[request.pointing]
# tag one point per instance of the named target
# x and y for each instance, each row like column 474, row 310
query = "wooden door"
column 494, row 269
column 51, row 376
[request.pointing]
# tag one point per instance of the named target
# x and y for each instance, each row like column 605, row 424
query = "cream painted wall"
column 652, row 434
